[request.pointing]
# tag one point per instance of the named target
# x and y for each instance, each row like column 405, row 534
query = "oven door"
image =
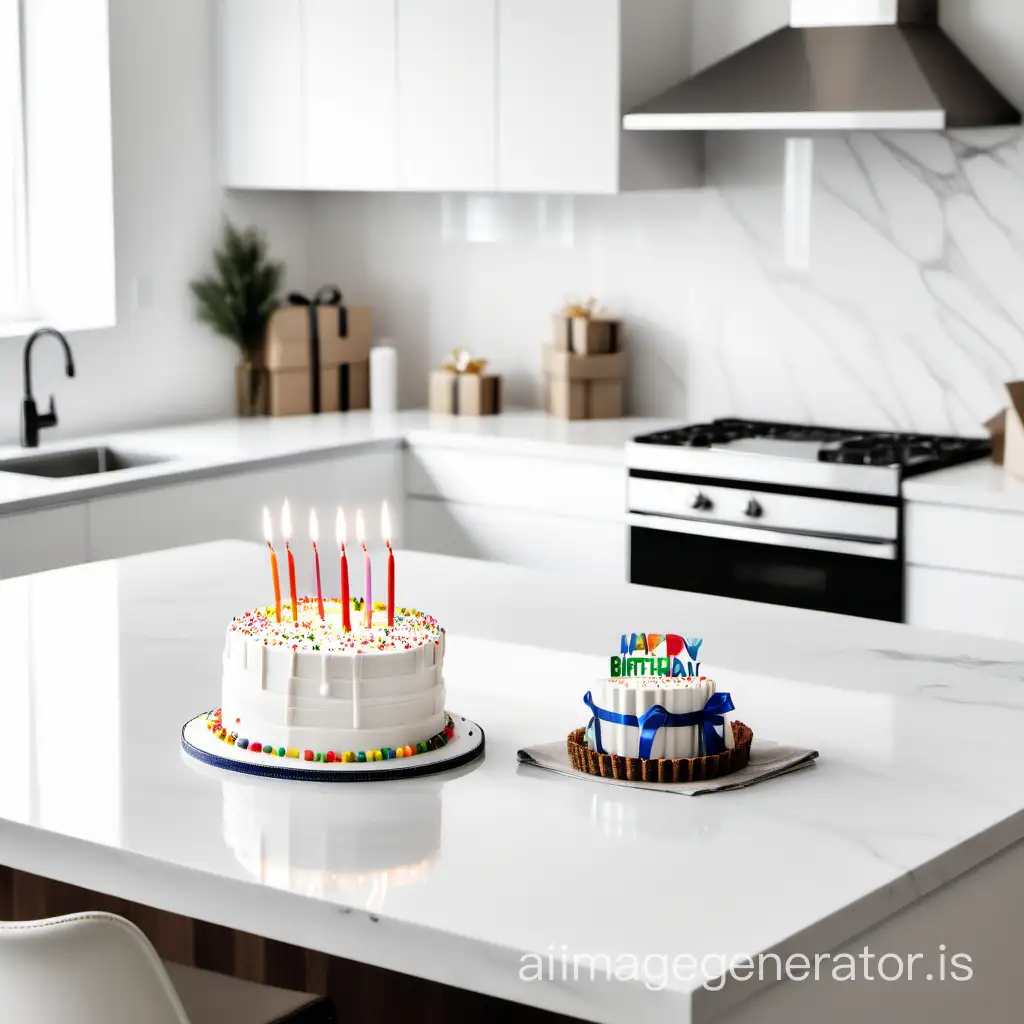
column 830, row 574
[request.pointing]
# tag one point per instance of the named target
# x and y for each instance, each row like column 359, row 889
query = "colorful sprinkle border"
column 214, row 722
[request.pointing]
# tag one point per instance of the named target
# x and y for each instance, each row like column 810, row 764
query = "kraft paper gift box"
column 1007, row 432
column 464, row 394
column 338, row 337
column 585, row 335
column 584, row 387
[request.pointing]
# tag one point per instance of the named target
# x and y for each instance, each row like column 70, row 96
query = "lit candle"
column 346, row 601
column 368, row 585
column 268, row 532
column 286, row 530
column 385, row 529
column 314, row 536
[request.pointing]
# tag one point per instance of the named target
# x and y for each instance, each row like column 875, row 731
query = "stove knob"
column 753, row 509
column 702, row 503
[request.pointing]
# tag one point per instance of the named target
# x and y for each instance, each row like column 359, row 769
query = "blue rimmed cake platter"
column 465, row 746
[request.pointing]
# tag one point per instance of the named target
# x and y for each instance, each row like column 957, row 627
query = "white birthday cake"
column 656, row 717
column 310, row 689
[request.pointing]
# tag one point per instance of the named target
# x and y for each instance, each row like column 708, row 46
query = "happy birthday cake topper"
column 656, row 654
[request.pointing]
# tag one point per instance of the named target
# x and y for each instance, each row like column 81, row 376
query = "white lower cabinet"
column 966, row 602
column 965, row 570
column 41, row 539
column 582, row 548
column 231, row 507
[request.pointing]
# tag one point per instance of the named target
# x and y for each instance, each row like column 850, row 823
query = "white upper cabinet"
column 351, row 93
column 450, row 95
column 446, row 95
column 558, row 96
column 261, row 93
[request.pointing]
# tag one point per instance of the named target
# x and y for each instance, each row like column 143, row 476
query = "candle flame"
column 339, row 527
column 268, row 526
column 314, row 526
column 286, row 522
column 385, row 524
column 360, row 528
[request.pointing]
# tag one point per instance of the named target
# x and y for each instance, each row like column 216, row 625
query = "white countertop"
column 980, row 484
column 508, row 859
column 200, row 449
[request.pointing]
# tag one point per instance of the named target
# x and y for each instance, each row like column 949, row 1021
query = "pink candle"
column 346, row 601
column 368, row 582
column 314, row 536
column 385, row 529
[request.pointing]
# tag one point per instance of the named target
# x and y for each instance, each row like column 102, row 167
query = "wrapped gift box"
column 339, row 338
column 1007, row 432
column 585, row 335
column 584, row 387
column 464, row 394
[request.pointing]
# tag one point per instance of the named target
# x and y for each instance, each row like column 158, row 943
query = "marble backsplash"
column 860, row 279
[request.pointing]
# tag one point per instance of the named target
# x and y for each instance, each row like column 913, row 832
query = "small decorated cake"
column 657, row 718
column 312, row 689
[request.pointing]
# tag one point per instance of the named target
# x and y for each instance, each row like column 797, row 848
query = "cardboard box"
column 611, row 366
column 343, row 380
column 464, row 394
column 1007, row 432
column 593, row 335
column 584, row 387
column 584, row 399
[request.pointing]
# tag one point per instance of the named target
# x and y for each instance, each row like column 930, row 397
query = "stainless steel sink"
column 80, row 462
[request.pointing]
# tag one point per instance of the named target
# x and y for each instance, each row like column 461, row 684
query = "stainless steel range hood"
column 841, row 65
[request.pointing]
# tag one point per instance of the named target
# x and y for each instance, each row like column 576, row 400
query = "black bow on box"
column 328, row 295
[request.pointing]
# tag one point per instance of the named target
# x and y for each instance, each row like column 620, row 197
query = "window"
column 14, row 284
column 56, row 170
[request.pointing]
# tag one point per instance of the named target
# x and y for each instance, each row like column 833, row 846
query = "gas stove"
column 777, row 512
column 829, row 458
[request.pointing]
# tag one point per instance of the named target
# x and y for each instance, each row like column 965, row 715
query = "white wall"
column 157, row 365
column 907, row 314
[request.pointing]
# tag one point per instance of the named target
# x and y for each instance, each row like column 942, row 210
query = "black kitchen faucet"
column 32, row 421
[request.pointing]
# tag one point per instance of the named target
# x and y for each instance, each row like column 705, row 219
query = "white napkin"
column 767, row 761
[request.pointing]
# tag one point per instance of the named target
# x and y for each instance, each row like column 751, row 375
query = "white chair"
column 98, row 968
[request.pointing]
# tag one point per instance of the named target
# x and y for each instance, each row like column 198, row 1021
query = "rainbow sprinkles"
column 309, row 689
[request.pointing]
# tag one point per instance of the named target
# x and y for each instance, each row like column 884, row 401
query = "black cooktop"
column 912, row 453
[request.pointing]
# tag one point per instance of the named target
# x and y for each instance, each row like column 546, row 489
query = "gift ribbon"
column 328, row 295
column 708, row 719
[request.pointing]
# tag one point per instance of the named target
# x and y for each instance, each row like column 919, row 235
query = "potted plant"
column 236, row 299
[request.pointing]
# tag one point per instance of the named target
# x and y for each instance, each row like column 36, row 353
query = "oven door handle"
column 761, row 535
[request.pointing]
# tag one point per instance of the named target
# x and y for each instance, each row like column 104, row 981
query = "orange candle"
column 385, row 529
column 268, row 533
column 314, row 534
column 286, row 530
column 346, row 601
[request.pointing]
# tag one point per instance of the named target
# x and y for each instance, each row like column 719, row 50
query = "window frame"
column 15, row 285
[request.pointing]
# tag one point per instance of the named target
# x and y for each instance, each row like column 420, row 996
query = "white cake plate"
column 466, row 745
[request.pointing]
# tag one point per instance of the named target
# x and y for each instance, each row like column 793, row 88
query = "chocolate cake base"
column 663, row 769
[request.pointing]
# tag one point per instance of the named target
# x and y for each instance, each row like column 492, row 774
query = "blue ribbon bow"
column 708, row 719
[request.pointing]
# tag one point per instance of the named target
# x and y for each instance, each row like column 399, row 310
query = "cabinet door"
column 584, row 548
column 965, row 602
column 350, row 89
column 48, row 538
column 231, row 507
column 261, row 93
column 446, row 94
column 559, row 113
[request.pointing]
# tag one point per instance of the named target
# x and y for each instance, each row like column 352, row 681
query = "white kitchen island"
column 920, row 781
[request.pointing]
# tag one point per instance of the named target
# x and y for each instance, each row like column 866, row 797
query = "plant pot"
column 250, row 390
